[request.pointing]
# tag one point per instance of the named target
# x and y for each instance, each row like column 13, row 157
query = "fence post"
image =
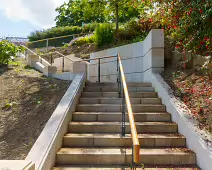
column 47, row 45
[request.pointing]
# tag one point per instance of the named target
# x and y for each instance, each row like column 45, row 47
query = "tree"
column 187, row 24
column 77, row 12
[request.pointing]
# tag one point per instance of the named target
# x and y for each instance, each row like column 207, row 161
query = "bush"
column 7, row 50
column 84, row 40
column 104, row 34
column 89, row 27
column 131, row 31
column 62, row 31
column 57, row 32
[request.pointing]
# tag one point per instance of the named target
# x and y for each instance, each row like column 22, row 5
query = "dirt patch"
column 27, row 100
column 194, row 88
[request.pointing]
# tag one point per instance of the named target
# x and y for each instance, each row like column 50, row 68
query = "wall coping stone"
column 43, row 152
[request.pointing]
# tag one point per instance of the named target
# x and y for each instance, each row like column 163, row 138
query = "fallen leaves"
column 195, row 91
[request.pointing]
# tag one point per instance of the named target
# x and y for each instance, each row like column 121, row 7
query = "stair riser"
column 122, row 142
column 115, row 89
column 167, row 128
column 120, row 159
column 118, row 117
column 119, row 101
column 116, row 94
column 116, row 108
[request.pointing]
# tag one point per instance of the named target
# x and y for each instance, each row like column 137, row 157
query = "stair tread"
column 108, row 135
column 117, row 92
column 119, row 123
column 119, row 105
column 127, row 151
column 131, row 84
column 109, row 98
column 87, row 113
column 122, row 167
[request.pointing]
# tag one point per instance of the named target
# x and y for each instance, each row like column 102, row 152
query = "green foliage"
column 78, row 12
column 84, row 40
column 7, row 50
column 57, row 32
column 104, row 34
column 54, row 32
column 187, row 24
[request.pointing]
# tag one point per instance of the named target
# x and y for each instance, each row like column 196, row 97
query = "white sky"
column 40, row 13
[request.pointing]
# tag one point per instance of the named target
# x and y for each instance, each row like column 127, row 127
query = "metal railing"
column 47, row 42
column 51, row 57
column 127, row 104
column 99, row 64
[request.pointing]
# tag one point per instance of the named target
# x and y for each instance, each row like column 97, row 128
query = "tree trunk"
column 117, row 16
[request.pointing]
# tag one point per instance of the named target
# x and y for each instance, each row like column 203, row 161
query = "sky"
column 21, row 17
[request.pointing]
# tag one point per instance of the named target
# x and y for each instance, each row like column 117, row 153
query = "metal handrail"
column 48, row 54
column 55, row 38
column 136, row 145
column 30, row 50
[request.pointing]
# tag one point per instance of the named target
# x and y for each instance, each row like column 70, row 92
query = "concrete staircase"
column 94, row 138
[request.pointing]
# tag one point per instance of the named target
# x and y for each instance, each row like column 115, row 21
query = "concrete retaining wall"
column 43, row 152
column 139, row 60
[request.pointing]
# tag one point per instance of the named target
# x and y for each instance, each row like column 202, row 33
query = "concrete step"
column 117, row 117
column 116, row 94
column 118, row 108
column 115, row 127
column 123, row 156
column 116, row 140
column 129, row 84
column 116, row 89
column 115, row 167
column 100, row 100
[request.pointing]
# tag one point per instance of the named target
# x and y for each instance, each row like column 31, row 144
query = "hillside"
column 27, row 101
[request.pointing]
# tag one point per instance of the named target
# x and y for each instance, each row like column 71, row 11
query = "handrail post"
column 117, row 69
column 51, row 60
column 63, row 65
column 99, row 71
column 118, row 77
column 123, row 113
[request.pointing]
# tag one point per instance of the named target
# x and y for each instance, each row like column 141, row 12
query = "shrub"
column 57, row 32
column 84, row 40
column 131, row 31
column 7, row 50
column 89, row 27
column 104, row 34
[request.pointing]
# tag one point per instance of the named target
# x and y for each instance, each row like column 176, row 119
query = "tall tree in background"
column 76, row 12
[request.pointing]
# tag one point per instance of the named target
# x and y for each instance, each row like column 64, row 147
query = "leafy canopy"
column 79, row 12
